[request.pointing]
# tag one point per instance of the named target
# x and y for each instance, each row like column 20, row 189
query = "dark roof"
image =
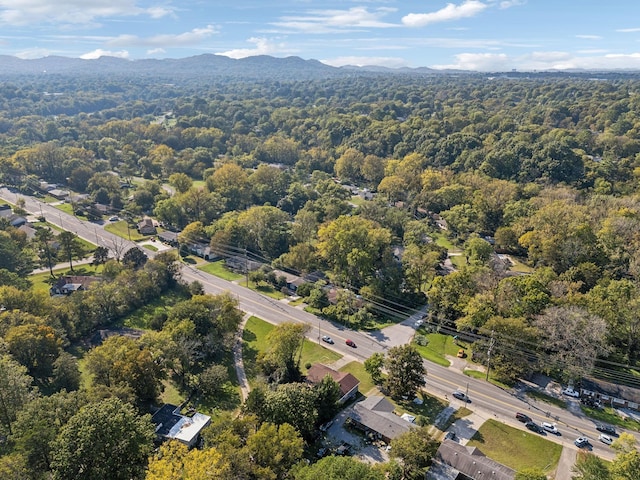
column 376, row 413
column 472, row 462
column 165, row 419
column 168, row 236
column 611, row 389
column 346, row 381
column 83, row 280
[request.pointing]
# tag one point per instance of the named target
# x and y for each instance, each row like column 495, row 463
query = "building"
column 172, row 425
column 168, row 237
column 72, row 283
column 347, row 382
column 375, row 416
column 453, row 461
column 146, row 226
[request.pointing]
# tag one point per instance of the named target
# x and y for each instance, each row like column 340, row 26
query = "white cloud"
column 541, row 61
column 156, row 51
column 263, row 46
column 512, row 3
column 470, row 8
column 104, row 53
column 32, row 53
column 24, row 12
column 628, row 30
column 589, row 37
column 390, row 62
column 328, row 21
column 195, row 36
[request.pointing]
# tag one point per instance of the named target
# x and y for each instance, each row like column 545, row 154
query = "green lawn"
column 171, row 394
column 458, row 261
column 482, row 375
column 516, row 448
column 267, row 290
column 543, row 397
column 153, row 248
column 120, row 228
column 357, row 370
column 442, row 240
column 429, row 409
column 609, row 415
column 219, row 270
column 255, row 341
column 141, row 318
column 438, row 346
column 65, row 207
column 42, row 281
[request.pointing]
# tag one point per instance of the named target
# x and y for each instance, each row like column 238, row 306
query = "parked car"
column 344, row 449
column 571, row 392
column 327, row 339
column 114, row 218
column 608, row 429
column 606, row 439
column 323, row 452
column 461, row 396
column 451, row 435
column 534, row 427
column 523, row 418
column 582, row 442
column 351, row 343
column 551, row 428
column 461, row 353
column 418, row 323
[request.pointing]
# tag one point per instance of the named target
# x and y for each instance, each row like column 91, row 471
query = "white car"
column 418, row 323
column 606, row 439
column 571, row 392
column 114, row 218
column 551, row 428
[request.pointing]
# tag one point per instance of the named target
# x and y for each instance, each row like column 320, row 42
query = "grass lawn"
column 442, row 240
column 516, row 448
column 543, row 397
column 153, row 248
column 457, row 415
column 429, row 409
column 438, row 346
column 357, row 370
column 519, row 266
column 42, row 283
column 458, row 261
column 255, row 341
column 67, row 208
column 141, row 318
column 171, row 394
column 482, row 375
column 267, row 290
column 219, row 270
column 609, row 415
column 357, row 200
column 120, row 228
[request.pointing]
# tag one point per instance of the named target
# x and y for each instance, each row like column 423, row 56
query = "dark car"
column 601, row 427
column 351, row 343
column 582, row 442
column 534, row 427
column 344, row 449
column 323, row 452
column 523, row 418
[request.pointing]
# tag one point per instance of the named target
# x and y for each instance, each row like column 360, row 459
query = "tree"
column 181, row 182
column 338, row 468
column 106, row 439
column 415, row 448
column 626, row 465
column 174, row 461
column 573, row 339
column 15, row 391
column 36, row 347
column 100, row 255
column 477, row 251
column 275, row 448
column 46, row 252
column 590, row 467
column 327, row 396
column 282, row 358
column 405, row 371
column 134, row 258
column 211, row 380
column 70, row 247
column 373, row 366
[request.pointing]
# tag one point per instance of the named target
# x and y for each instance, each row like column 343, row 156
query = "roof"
column 168, row 236
column 611, row 389
column 376, row 413
column 471, row 462
column 145, row 222
column 75, row 281
column 171, row 424
column 346, row 381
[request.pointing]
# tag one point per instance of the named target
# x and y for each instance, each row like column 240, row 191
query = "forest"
column 532, row 182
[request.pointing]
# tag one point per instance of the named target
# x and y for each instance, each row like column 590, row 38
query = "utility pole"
column 491, row 343
column 246, row 267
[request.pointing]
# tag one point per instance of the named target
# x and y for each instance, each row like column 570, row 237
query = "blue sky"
column 484, row 35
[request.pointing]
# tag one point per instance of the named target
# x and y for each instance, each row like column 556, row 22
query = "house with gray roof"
column 376, row 415
column 453, row 461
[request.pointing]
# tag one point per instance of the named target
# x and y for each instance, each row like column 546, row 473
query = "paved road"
column 486, row 399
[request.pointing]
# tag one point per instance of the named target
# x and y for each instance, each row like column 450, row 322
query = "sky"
column 481, row 35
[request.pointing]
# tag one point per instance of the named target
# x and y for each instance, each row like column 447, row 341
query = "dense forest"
column 372, row 179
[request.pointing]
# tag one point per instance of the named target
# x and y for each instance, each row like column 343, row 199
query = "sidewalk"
column 243, row 383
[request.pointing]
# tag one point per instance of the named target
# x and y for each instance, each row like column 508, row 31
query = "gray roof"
column 376, row 413
column 471, row 462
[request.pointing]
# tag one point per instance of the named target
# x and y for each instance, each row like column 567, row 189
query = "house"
column 30, row 232
column 58, row 193
column 347, row 382
column 146, row 226
column 172, row 425
column 375, row 416
column 453, row 461
column 68, row 284
column 17, row 220
column 618, row 396
column 170, row 238
column 293, row 281
column 201, row 250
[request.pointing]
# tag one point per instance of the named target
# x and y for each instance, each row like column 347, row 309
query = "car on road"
column 582, row 442
column 327, row 339
column 570, row 392
column 551, row 428
column 534, row 427
column 461, row 396
column 604, row 428
column 606, row 439
column 522, row 417
column 418, row 323
column 351, row 343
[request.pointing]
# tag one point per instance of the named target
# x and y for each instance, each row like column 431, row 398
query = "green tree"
column 530, row 474
column 477, row 251
column 134, row 258
column 327, row 396
column 415, row 448
column 626, row 465
column 36, row 347
column 212, row 379
column 70, row 247
column 373, row 366
column 103, row 440
column 338, row 468
column 590, row 467
column 44, row 244
column 275, row 449
column 15, row 391
column 181, row 182
column 405, row 371
column 100, row 256
column 281, row 360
